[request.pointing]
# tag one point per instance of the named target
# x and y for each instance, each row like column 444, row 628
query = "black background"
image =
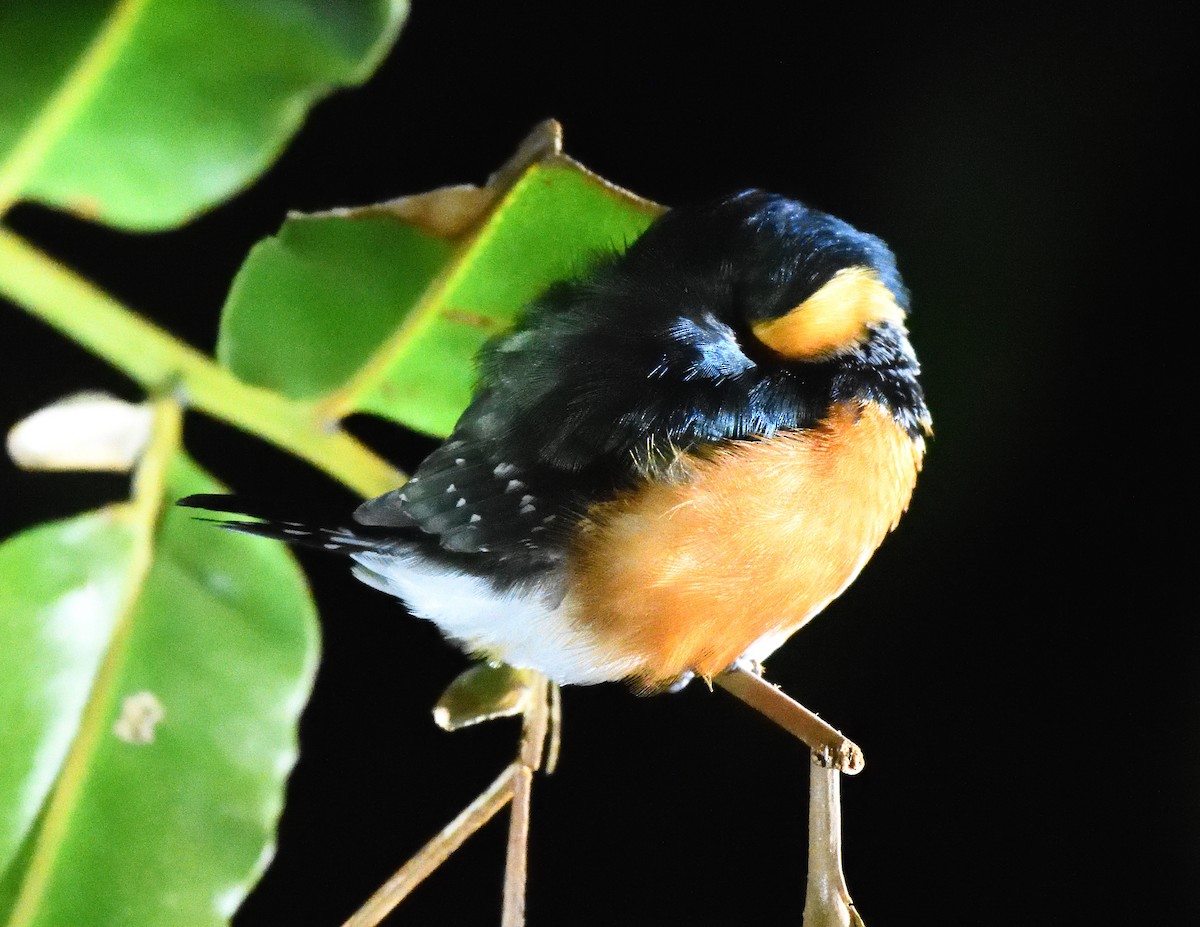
column 1013, row 661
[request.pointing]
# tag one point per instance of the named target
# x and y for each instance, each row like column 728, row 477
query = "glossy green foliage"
column 147, row 716
column 540, row 233
column 141, row 113
column 313, row 303
column 383, row 310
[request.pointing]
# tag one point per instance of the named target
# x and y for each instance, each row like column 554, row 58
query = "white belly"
column 528, row 626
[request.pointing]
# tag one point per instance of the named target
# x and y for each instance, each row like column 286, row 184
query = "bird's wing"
column 474, row 498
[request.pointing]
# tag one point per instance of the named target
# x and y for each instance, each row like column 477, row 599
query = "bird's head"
column 795, row 283
column 780, row 304
column 810, row 287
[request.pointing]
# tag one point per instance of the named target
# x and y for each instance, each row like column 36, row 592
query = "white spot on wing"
column 476, row 518
column 514, row 485
column 504, row 469
column 460, row 503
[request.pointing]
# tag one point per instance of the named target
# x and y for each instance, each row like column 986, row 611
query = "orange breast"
column 747, row 543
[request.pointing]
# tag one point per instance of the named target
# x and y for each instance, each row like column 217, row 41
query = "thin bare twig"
column 534, row 730
column 554, row 738
column 536, row 724
column 516, row 860
column 539, row 725
column 830, row 748
column 436, row 852
column 826, row 901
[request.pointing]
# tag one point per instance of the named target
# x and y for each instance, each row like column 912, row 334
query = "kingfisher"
column 670, row 463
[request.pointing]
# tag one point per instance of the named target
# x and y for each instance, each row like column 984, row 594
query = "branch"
column 514, row 784
column 159, row 361
column 516, row 859
column 829, row 747
column 826, row 900
column 437, row 850
column 534, row 730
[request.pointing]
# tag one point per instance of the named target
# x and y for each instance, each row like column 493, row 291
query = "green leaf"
column 311, row 305
column 383, row 309
column 484, row 692
column 109, row 813
column 141, row 113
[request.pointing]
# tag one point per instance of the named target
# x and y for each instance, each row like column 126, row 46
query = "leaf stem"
column 141, row 517
column 77, row 86
column 150, row 477
column 159, row 361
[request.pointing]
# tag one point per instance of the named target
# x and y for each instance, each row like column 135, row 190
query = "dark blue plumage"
column 606, row 378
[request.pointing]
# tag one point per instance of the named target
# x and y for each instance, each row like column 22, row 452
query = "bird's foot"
column 747, row 665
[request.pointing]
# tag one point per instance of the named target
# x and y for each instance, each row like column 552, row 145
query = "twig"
column 554, row 738
column 515, row 784
column 158, row 360
column 829, row 747
column 826, row 901
column 516, row 859
column 536, row 724
column 534, row 730
column 437, row 850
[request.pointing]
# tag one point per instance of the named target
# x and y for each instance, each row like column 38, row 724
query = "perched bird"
column 669, row 464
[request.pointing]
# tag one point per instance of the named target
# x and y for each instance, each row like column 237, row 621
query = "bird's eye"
column 833, row 320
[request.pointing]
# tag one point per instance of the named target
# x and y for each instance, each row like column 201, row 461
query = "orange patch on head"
column 835, row 318
column 751, row 541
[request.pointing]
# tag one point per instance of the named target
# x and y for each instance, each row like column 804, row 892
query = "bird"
column 671, row 462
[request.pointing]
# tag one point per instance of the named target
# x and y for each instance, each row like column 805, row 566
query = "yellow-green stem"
column 158, row 361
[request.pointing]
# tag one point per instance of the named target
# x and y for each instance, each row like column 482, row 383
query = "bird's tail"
column 336, row 540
